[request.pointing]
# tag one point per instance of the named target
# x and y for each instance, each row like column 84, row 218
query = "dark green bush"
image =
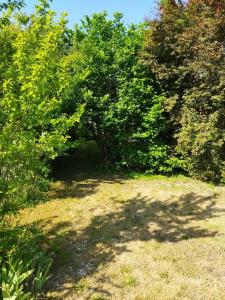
column 124, row 106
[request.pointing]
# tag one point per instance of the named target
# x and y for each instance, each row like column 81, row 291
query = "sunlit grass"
column 116, row 238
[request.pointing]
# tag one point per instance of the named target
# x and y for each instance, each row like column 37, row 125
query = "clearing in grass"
column 118, row 238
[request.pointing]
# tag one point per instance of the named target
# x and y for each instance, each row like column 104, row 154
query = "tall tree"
column 123, row 112
column 38, row 74
column 185, row 50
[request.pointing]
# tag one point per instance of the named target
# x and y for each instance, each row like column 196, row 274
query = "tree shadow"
column 137, row 219
column 80, row 188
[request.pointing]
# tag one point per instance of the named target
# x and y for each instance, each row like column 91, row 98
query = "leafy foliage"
column 7, row 8
column 11, row 4
column 150, row 95
column 24, row 265
column 185, row 50
column 124, row 107
column 37, row 76
column 35, row 82
column 12, row 279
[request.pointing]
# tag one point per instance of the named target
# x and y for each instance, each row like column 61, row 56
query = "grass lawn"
column 144, row 238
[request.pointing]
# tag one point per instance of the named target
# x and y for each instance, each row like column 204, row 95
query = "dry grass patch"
column 134, row 239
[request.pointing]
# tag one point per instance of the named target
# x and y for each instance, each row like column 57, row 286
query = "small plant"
column 24, row 266
column 42, row 265
column 13, row 276
column 20, row 279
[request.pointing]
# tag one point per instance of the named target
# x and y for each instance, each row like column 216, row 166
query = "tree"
column 7, row 8
column 35, row 82
column 123, row 110
column 185, row 50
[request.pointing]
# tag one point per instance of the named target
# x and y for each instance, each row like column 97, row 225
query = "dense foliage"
column 37, row 75
column 185, row 50
column 124, row 108
column 152, row 97
column 34, row 82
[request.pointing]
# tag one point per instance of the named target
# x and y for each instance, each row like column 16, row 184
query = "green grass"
column 141, row 238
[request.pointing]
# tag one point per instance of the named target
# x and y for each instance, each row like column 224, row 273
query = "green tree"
column 124, row 106
column 38, row 74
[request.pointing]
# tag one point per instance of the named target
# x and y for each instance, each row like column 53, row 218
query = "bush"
column 124, row 106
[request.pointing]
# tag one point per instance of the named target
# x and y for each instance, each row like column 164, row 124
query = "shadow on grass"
column 81, row 188
column 80, row 173
column 80, row 254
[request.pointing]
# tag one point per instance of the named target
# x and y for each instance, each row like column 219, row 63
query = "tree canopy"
column 185, row 50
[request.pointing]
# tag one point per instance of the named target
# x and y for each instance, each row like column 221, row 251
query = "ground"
column 144, row 238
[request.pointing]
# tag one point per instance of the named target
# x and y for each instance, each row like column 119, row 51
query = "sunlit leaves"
column 35, row 85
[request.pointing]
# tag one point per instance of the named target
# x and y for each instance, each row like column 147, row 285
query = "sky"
column 134, row 11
